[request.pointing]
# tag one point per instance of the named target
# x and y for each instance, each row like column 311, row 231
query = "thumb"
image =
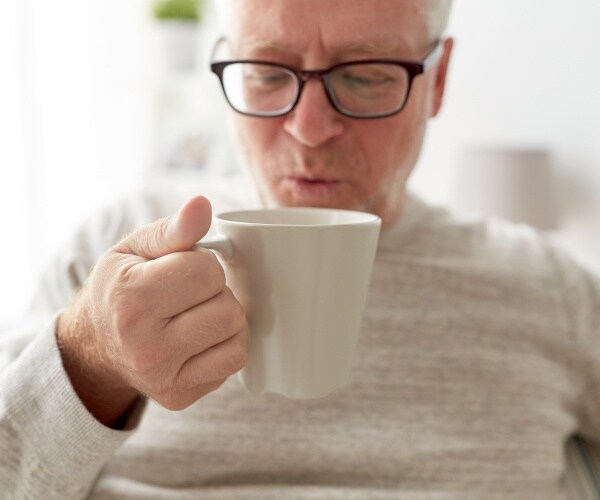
column 177, row 233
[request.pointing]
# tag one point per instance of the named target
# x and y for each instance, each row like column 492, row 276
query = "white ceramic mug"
column 302, row 276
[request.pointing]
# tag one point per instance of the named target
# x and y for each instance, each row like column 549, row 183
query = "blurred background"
column 101, row 98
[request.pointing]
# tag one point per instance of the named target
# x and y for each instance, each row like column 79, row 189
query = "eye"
column 262, row 76
column 364, row 77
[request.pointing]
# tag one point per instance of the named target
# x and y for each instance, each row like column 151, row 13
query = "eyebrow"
column 380, row 49
column 254, row 46
column 369, row 48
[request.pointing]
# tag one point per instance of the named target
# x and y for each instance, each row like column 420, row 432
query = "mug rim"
column 362, row 218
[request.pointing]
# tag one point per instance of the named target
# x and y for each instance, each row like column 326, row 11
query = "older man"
column 479, row 354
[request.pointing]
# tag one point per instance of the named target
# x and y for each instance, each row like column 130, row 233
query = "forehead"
column 297, row 26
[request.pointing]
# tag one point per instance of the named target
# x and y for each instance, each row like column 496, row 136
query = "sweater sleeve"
column 51, row 446
column 581, row 299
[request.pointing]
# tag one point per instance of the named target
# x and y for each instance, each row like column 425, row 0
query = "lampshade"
column 517, row 184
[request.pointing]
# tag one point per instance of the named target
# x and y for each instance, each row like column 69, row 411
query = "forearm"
column 51, row 446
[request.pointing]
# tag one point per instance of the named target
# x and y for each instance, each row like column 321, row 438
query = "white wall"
column 72, row 127
column 14, row 178
column 525, row 73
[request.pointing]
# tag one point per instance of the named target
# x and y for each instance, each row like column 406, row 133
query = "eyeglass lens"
column 358, row 89
column 259, row 88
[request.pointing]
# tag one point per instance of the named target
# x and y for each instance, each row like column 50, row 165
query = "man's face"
column 314, row 156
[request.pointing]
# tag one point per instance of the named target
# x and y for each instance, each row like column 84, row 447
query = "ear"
column 441, row 75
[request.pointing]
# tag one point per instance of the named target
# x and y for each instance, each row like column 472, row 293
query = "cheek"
column 409, row 135
column 256, row 137
column 395, row 146
column 393, row 149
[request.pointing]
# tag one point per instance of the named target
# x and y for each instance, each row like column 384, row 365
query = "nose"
column 314, row 121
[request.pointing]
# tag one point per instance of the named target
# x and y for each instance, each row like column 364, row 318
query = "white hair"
column 437, row 15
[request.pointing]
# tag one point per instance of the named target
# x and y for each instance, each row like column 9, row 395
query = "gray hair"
column 438, row 12
column 437, row 17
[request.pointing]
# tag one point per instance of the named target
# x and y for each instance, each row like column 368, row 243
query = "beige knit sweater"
column 479, row 356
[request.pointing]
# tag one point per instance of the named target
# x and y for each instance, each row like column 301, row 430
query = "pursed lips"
column 312, row 186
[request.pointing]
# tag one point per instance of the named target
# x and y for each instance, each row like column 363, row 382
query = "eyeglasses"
column 371, row 88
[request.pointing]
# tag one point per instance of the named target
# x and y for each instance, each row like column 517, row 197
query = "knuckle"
column 214, row 275
column 226, row 318
column 156, row 238
column 231, row 322
column 156, row 363
column 238, row 316
column 213, row 386
column 128, row 309
column 160, row 389
column 177, row 400
column 126, row 274
column 143, row 363
column 238, row 357
column 180, row 401
column 174, row 402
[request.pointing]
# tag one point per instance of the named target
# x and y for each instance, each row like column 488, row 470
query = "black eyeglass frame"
column 413, row 68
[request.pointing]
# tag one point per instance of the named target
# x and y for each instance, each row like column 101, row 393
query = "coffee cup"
column 302, row 276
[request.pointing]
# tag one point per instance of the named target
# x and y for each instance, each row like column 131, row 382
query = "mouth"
column 312, row 187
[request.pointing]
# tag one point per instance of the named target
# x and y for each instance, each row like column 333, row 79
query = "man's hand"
column 154, row 319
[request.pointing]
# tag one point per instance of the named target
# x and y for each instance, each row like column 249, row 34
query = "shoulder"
column 488, row 256
column 438, row 233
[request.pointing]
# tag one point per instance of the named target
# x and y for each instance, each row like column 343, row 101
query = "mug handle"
column 219, row 243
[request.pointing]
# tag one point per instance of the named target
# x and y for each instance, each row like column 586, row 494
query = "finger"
column 220, row 361
column 177, row 282
column 205, row 326
column 179, row 401
column 176, row 233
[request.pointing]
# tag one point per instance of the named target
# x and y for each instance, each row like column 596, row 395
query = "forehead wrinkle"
column 403, row 47
column 369, row 48
column 253, row 46
column 283, row 44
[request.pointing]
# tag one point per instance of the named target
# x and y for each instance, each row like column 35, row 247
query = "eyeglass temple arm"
column 433, row 57
column 218, row 43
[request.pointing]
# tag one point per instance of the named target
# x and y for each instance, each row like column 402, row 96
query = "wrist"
column 99, row 388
